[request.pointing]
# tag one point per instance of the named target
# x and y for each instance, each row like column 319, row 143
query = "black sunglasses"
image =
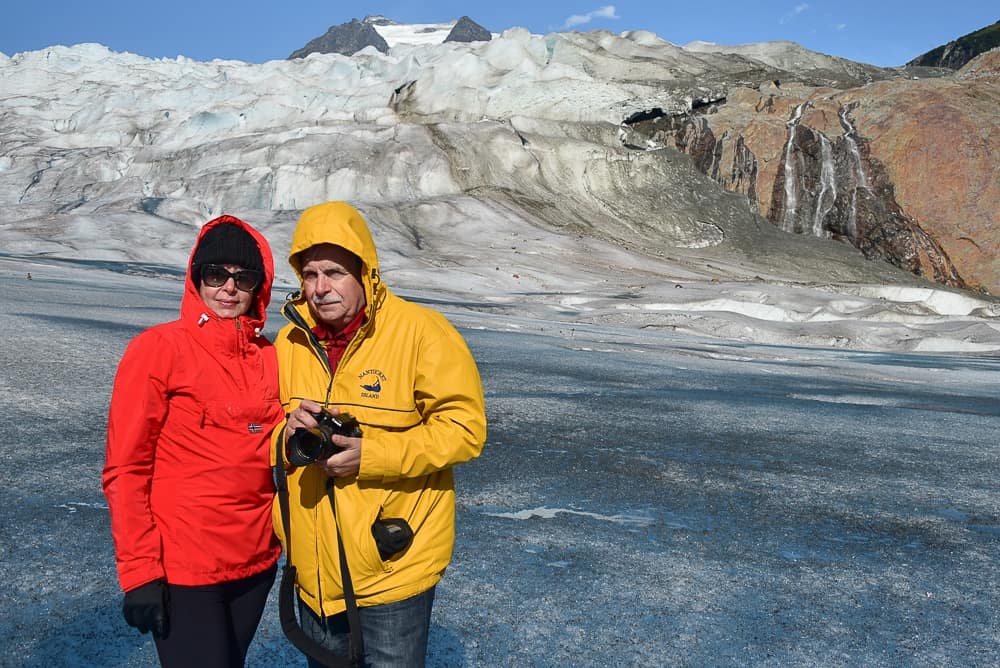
column 215, row 275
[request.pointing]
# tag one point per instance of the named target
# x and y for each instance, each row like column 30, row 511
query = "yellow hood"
column 340, row 224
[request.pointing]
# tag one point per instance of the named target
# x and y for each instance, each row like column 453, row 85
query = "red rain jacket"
column 187, row 474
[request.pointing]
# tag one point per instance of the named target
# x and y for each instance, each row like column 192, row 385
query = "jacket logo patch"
column 371, row 383
column 254, row 428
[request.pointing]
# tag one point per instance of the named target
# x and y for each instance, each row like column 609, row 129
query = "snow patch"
column 550, row 513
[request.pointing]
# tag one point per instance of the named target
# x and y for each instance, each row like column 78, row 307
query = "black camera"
column 308, row 445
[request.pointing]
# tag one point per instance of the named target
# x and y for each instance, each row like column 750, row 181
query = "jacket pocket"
column 362, row 553
column 392, row 536
column 244, row 417
column 385, row 418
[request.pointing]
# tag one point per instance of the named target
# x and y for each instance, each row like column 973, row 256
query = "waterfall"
column 828, row 186
column 861, row 181
column 849, row 133
column 791, row 173
column 852, row 217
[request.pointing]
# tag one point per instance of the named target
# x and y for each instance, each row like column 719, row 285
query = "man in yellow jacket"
column 373, row 522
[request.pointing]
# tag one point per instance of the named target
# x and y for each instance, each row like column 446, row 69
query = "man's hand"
column 342, row 464
column 145, row 608
column 345, row 463
column 302, row 417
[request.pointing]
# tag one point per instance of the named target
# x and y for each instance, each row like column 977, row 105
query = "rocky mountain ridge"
column 349, row 38
column 955, row 54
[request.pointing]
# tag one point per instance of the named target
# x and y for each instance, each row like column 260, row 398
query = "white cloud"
column 798, row 9
column 605, row 12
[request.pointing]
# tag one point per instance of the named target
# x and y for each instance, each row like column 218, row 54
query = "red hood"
column 194, row 310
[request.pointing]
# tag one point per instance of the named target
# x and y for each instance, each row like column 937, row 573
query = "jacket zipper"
column 294, row 317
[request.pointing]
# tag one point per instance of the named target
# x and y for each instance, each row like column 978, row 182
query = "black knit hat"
column 226, row 244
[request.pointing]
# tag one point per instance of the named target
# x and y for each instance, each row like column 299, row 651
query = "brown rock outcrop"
column 904, row 169
column 939, row 140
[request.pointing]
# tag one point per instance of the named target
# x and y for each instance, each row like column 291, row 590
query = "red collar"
column 343, row 337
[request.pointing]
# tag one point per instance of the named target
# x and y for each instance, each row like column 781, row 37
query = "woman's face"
column 226, row 300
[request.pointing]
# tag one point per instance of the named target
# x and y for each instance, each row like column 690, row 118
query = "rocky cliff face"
column 902, row 169
column 955, row 54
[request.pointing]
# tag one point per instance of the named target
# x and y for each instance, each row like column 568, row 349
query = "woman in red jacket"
column 186, row 473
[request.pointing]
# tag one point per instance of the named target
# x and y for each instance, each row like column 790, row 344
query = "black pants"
column 211, row 626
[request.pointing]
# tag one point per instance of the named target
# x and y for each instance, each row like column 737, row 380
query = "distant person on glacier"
column 383, row 399
column 187, row 475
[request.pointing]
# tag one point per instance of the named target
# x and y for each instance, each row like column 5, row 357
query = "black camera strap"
column 353, row 617
column 287, row 593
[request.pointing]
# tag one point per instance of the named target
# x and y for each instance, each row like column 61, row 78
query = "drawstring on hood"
column 204, row 318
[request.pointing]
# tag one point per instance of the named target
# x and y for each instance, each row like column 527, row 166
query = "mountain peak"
column 467, row 30
column 346, row 39
column 378, row 20
column 383, row 33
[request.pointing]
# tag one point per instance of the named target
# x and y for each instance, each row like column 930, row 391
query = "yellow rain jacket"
column 411, row 382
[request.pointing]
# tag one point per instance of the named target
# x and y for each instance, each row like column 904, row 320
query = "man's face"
column 331, row 283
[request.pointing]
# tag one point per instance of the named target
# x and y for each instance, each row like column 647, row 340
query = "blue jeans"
column 395, row 634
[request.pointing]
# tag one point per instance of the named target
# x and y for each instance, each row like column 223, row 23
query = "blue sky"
column 880, row 32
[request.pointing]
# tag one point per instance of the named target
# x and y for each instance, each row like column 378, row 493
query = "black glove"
column 145, row 608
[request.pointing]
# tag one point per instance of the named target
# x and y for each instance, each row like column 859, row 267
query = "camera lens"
column 305, row 446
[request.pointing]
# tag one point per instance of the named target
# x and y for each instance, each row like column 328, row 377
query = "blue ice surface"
column 643, row 499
